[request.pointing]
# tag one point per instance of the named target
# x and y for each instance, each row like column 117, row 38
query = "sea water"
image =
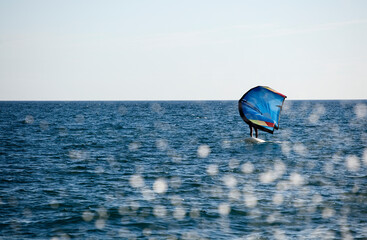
column 181, row 170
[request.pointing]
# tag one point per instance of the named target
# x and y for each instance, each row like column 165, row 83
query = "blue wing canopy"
column 260, row 107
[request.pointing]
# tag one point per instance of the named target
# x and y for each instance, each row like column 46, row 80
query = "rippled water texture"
column 181, row 170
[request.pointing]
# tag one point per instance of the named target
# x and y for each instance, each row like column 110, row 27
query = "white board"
column 254, row 140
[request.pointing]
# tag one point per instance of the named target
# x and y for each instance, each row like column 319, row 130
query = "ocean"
column 181, row 170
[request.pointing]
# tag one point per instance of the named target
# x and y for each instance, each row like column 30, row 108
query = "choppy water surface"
column 181, row 170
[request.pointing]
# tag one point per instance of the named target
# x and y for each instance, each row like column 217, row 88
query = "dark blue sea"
column 181, row 170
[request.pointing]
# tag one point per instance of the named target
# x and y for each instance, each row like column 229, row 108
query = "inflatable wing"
column 260, row 107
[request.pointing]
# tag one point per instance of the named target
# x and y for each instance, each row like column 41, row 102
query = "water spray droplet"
column 224, row 209
column 247, row 168
column 352, row 163
column 160, row 186
column 203, row 151
column 136, row 181
column 212, row 169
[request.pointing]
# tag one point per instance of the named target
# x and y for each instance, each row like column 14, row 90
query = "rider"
column 256, row 133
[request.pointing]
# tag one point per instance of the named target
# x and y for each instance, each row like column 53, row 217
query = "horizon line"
column 168, row 100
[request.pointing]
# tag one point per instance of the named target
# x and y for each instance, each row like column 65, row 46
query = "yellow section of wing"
column 258, row 122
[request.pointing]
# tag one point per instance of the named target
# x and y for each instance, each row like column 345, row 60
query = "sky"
column 182, row 50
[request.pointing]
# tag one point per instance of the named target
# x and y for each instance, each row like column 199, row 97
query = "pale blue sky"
column 181, row 50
